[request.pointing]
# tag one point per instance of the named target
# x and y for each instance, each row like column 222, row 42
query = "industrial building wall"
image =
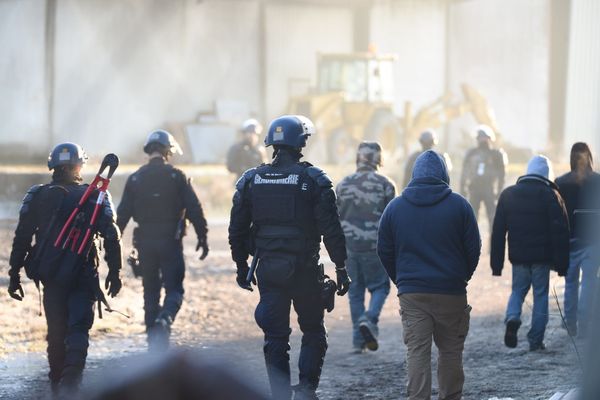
column 294, row 34
column 415, row 30
column 501, row 47
column 123, row 67
column 583, row 82
column 22, row 102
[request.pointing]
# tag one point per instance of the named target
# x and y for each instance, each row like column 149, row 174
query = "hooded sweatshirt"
column 428, row 238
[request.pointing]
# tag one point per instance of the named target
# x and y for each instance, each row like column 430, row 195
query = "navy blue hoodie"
column 428, row 239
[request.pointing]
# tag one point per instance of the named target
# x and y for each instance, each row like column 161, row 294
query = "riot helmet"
column 484, row 132
column 66, row 154
column 289, row 130
column 252, row 126
column 163, row 142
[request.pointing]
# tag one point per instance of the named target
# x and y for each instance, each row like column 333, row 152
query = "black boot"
column 159, row 334
column 304, row 392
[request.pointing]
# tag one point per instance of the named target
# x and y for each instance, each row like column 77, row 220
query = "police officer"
column 428, row 140
column 69, row 307
column 161, row 199
column 483, row 172
column 247, row 153
column 280, row 212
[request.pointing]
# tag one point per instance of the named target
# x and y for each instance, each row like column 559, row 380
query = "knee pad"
column 276, row 350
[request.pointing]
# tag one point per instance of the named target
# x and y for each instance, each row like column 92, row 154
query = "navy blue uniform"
column 159, row 198
column 280, row 212
column 68, row 304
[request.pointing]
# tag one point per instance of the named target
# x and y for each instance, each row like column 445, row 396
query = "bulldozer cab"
column 361, row 77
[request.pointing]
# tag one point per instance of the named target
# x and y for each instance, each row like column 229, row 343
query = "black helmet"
column 66, row 154
column 290, row 130
column 164, row 139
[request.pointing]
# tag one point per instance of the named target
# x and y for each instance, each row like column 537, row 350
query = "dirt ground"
column 217, row 319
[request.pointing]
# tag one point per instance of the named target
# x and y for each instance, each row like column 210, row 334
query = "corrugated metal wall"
column 583, row 84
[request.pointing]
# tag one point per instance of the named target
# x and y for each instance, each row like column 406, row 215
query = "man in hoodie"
column 429, row 244
column 579, row 188
column 534, row 216
column 362, row 197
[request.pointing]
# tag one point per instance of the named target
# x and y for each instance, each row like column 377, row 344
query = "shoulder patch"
column 319, row 176
column 246, row 177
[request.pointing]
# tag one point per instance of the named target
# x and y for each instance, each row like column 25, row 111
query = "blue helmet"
column 66, row 154
column 164, row 139
column 290, row 130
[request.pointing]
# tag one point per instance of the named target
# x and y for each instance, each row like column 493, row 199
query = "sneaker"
column 367, row 331
column 537, row 346
column 359, row 349
column 510, row 337
column 571, row 328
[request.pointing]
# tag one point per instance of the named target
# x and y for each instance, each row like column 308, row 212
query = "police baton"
column 253, row 266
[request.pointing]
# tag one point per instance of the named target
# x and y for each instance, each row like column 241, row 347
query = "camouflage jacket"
column 361, row 199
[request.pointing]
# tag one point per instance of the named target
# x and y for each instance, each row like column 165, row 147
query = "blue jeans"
column 524, row 277
column 367, row 273
column 576, row 304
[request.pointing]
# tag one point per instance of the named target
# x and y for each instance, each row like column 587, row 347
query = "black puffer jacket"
column 534, row 215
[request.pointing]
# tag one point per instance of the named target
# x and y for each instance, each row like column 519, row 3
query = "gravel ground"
column 217, row 319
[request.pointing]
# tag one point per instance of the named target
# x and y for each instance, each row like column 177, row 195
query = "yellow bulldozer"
column 354, row 100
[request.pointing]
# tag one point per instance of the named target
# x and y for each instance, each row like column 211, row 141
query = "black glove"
column 113, row 283
column 242, row 275
column 14, row 286
column 202, row 243
column 343, row 281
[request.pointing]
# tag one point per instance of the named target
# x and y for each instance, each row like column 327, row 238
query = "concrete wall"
column 583, row 83
column 501, row 47
column 124, row 67
column 415, row 30
column 294, row 35
column 23, row 98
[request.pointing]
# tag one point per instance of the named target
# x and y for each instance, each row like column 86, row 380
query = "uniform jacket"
column 361, row 199
column 534, row 216
column 45, row 210
column 484, row 169
column 308, row 191
column 159, row 197
column 241, row 157
column 428, row 237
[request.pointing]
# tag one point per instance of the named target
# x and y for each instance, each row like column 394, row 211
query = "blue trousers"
column 69, row 316
column 367, row 274
column 273, row 317
column 582, row 263
column 162, row 265
column 524, row 277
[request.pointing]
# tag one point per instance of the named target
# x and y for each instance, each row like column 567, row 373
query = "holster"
column 328, row 288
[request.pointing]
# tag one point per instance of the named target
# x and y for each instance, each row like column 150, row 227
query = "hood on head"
column 431, row 165
column 430, row 180
column 540, row 165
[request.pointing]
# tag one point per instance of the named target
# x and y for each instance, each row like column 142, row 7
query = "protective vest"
column 158, row 198
column 282, row 209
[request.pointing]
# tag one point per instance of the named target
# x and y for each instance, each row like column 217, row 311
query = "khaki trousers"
column 445, row 319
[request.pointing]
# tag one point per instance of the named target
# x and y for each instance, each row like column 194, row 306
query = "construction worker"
column 484, row 169
column 247, row 153
column 428, row 140
column 362, row 197
column 280, row 212
column 161, row 200
column 71, row 286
